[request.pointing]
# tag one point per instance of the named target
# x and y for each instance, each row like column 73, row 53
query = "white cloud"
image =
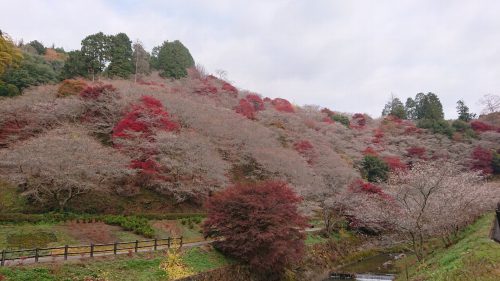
column 347, row 55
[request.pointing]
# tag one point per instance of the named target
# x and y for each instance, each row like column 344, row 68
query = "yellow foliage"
column 9, row 54
column 174, row 266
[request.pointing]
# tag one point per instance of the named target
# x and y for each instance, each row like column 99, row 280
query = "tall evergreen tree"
column 411, row 109
column 463, row 112
column 428, row 106
column 120, row 56
column 95, row 49
column 39, row 47
column 174, row 59
column 394, row 107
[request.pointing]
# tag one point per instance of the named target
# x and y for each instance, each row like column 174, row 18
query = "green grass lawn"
column 140, row 267
column 475, row 257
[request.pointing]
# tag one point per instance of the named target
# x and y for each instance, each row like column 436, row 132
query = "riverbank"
column 474, row 257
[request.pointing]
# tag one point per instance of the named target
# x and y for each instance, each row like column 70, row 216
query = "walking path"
column 26, row 261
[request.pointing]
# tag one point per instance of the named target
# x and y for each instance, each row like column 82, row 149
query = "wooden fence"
column 88, row 250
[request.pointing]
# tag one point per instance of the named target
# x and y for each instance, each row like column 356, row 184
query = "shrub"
column 479, row 126
column 260, row 224
column 246, row 109
column 8, row 90
column 206, row 88
column 370, row 151
column 256, row 101
column 342, row 119
column 71, row 87
column 359, row 120
column 437, row 126
column 482, row 160
column 93, row 92
column 138, row 225
column 416, row 151
column 394, row 163
column 230, row 89
column 360, row 186
column 374, row 169
column 143, row 118
column 305, row 148
column 282, row 105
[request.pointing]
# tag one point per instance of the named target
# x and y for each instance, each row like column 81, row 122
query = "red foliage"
column 328, row 120
column 230, row 89
column 249, row 106
column 282, row 105
column 266, row 99
column 370, row 151
column 378, row 134
column 260, row 224
column 144, row 118
column 412, row 129
column 395, row 163
column 246, row 109
column 416, row 151
column 482, row 160
column 479, row 126
column 359, row 120
column 256, row 101
column 206, row 87
column 306, row 149
column 13, row 128
column 93, row 92
column 366, row 187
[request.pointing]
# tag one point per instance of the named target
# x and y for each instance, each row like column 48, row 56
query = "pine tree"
column 120, row 54
column 463, row 112
column 174, row 59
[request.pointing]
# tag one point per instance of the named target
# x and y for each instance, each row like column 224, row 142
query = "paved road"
column 141, row 250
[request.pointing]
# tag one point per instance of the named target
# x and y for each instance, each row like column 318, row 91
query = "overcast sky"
column 346, row 55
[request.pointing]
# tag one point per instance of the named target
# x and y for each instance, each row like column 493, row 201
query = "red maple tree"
column 260, row 224
column 482, row 159
column 282, row 105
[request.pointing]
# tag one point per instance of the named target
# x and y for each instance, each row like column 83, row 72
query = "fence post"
column 65, row 252
column 36, row 255
column 181, row 243
column 115, row 246
column 91, row 250
column 2, row 262
column 136, row 245
column 156, row 244
column 168, row 241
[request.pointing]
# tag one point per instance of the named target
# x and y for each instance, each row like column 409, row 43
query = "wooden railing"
column 90, row 250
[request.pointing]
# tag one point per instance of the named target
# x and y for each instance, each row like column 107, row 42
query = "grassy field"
column 474, row 257
column 139, row 267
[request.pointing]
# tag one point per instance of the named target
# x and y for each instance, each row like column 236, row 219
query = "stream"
column 379, row 267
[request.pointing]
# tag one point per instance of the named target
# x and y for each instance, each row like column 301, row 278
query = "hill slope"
column 183, row 139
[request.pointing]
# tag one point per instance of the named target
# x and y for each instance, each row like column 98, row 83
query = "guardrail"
column 84, row 250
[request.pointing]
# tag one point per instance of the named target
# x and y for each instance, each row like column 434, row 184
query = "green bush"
column 342, row 119
column 138, row 225
column 8, row 90
column 464, row 128
column 374, row 169
column 436, row 126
